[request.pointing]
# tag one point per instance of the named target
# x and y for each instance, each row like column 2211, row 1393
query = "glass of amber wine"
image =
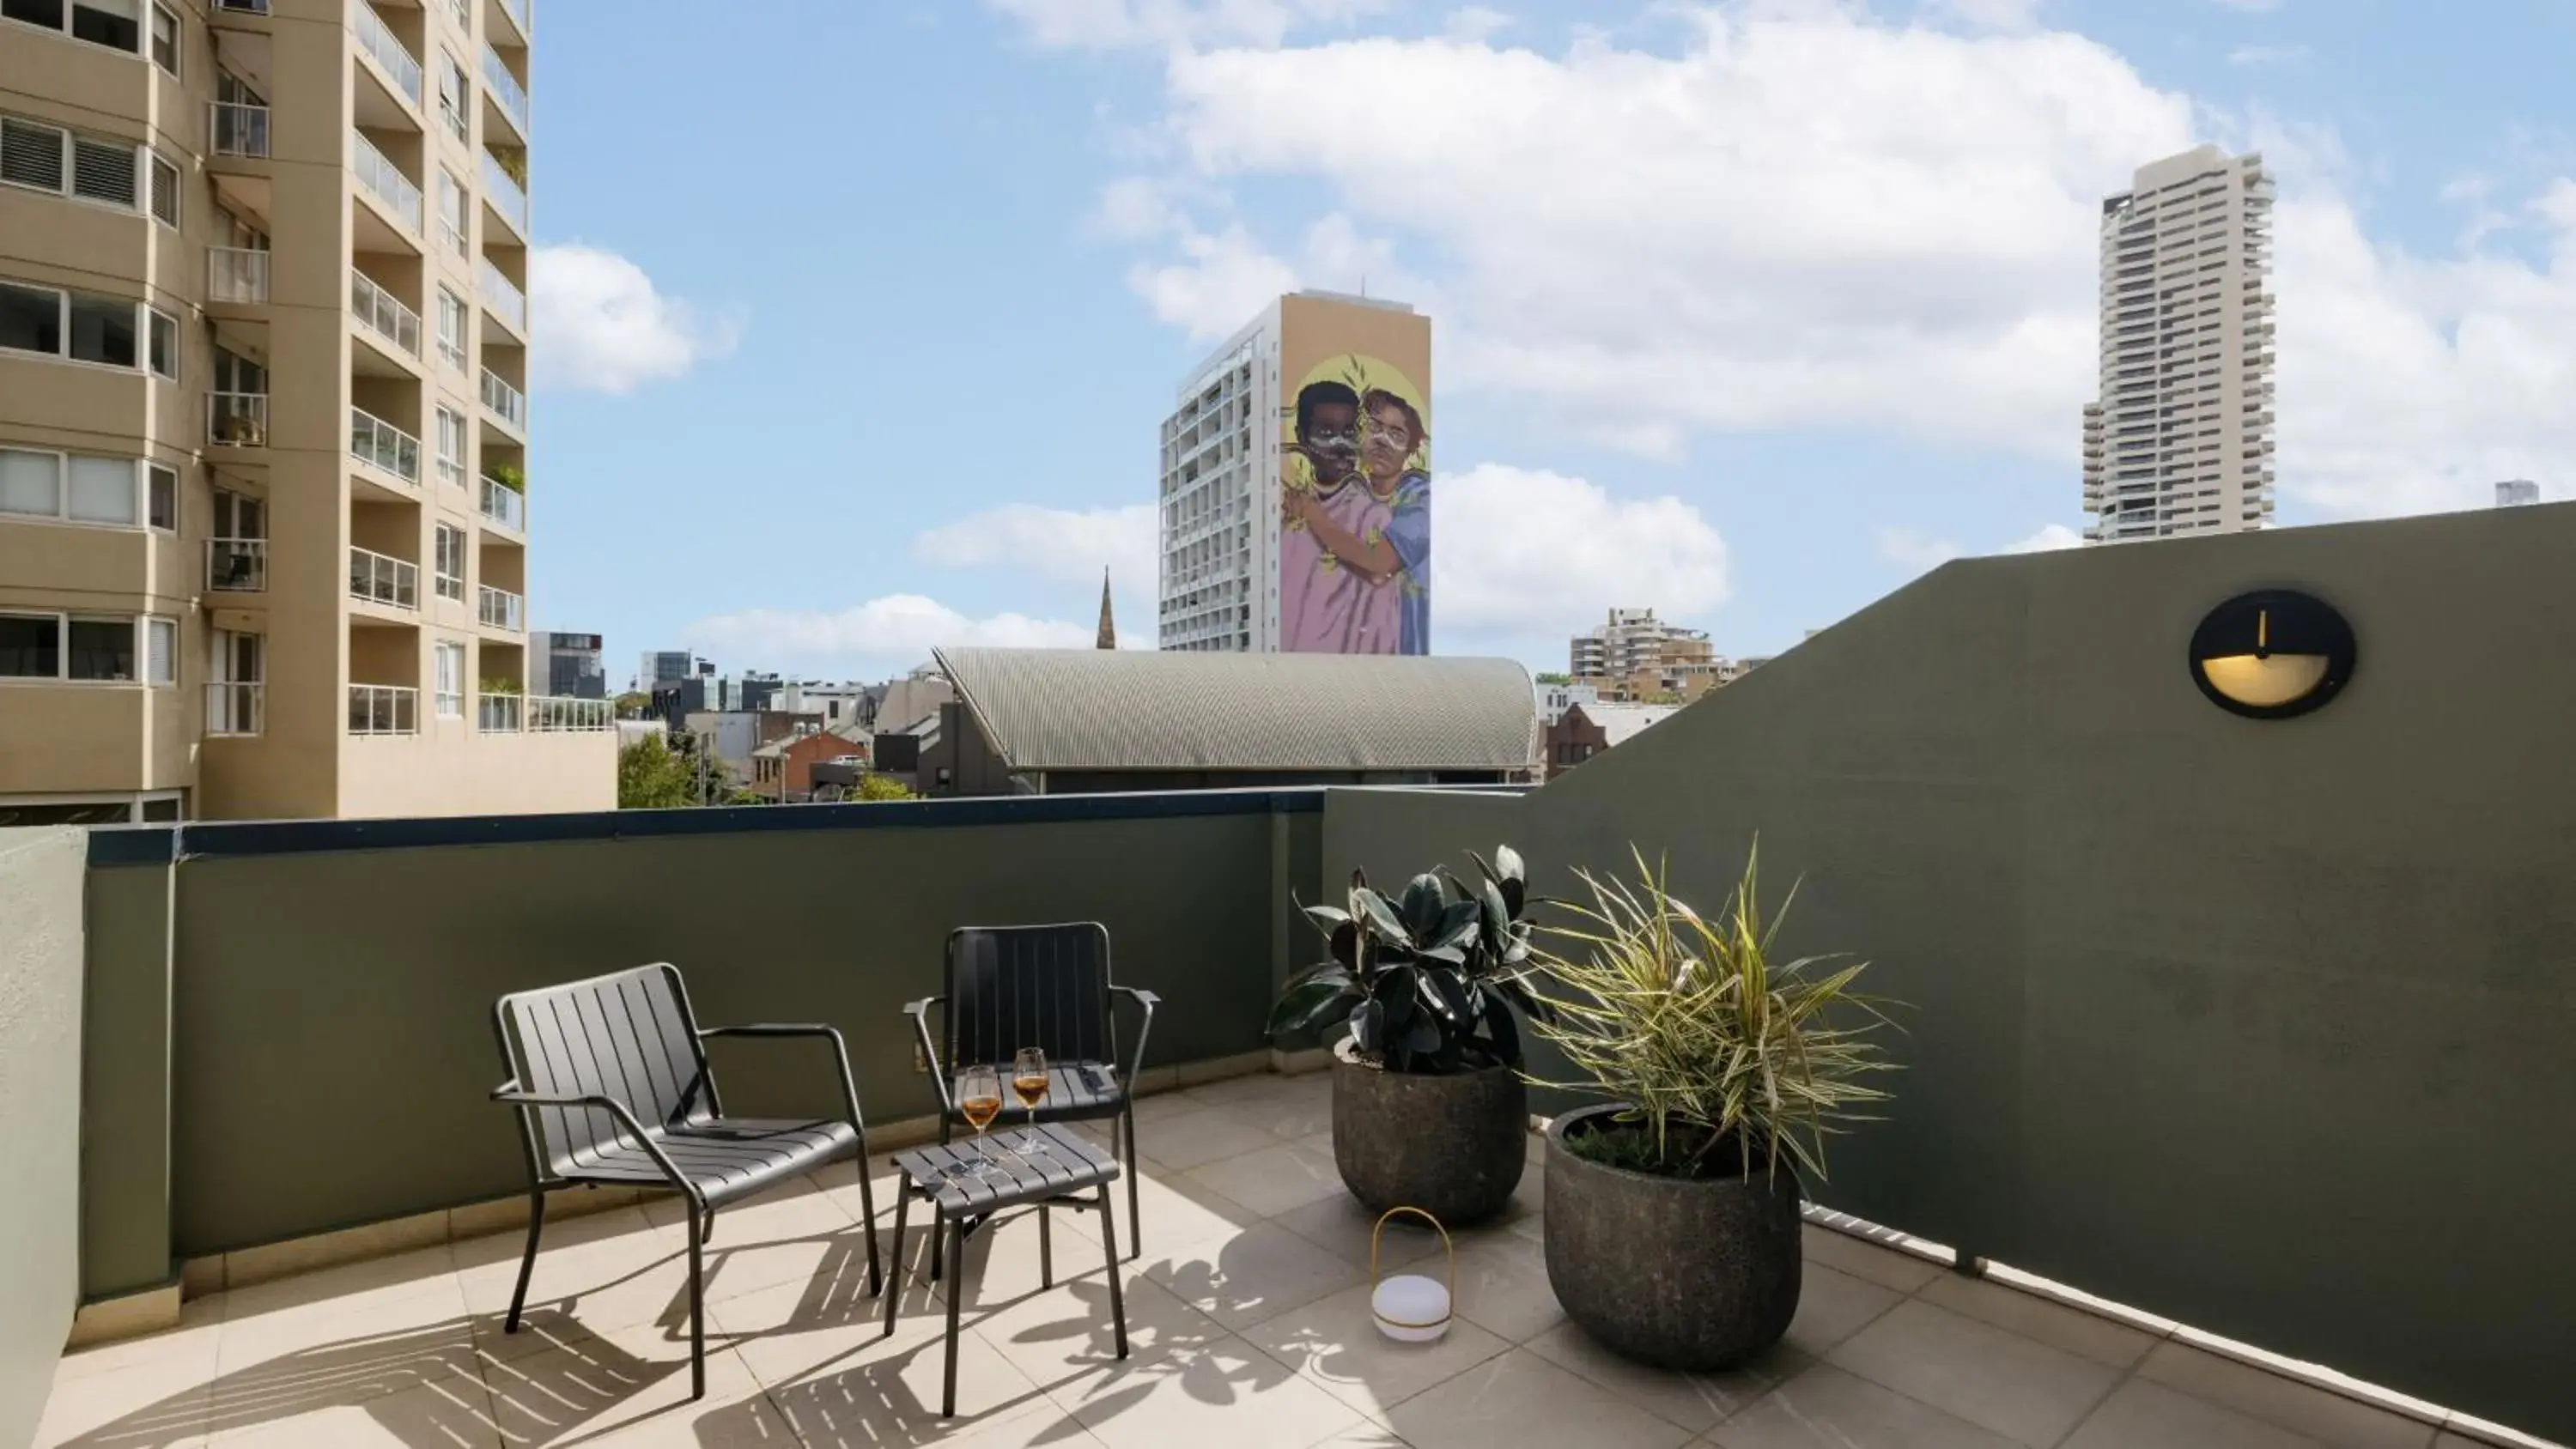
column 979, row 1101
column 1029, row 1082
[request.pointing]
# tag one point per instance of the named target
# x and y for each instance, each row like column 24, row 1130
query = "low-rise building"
column 1585, row 730
column 783, row 770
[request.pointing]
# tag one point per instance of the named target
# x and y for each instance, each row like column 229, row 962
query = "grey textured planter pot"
column 1452, row 1146
column 1692, row 1276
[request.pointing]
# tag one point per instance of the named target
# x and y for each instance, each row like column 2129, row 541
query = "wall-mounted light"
column 2271, row 654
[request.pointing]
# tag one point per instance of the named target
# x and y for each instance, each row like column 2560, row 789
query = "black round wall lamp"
column 2271, row 654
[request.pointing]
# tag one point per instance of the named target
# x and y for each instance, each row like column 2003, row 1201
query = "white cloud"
column 2050, row 538
column 883, row 635
column 2261, row 55
column 1122, row 24
column 599, row 324
column 1915, row 551
column 1525, row 551
column 1064, row 545
column 1222, row 279
column 1992, row 14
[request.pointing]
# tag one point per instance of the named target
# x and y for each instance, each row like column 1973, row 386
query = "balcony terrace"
column 2256, row 1026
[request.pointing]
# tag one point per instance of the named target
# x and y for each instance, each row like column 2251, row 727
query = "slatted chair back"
column 629, row 1036
column 1029, row 986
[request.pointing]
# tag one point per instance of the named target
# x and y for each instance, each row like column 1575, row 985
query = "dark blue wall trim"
column 160, row 844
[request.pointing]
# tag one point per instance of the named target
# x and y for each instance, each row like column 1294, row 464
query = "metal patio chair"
column 610, row 1083
column 1008, row 987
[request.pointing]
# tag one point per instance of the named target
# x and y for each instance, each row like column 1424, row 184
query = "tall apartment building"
column 573, row 666
column 1631, row 640
column 1296, row 485
column 2516, row 493
column 2180, row 438
column 664, row 666
column 263, row 341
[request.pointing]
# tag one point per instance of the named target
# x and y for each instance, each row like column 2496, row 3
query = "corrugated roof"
column 1099, row 709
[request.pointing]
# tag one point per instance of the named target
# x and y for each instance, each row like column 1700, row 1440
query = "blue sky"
column 855, row 325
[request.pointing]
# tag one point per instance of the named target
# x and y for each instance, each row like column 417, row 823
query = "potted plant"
column 1672, row 1210
column 1429, row 1108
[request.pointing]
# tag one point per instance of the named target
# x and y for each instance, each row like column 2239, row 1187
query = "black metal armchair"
column 610, row 1083
column 1008, row 987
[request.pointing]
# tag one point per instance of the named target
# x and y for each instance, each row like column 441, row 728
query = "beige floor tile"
column 790, row 1329
column 1521, row 1398
column 1004, row 1261
column 147, row 1405
column 2286, row 1403
column 1833, row 1306
column 453, row 1412
column 1339, row 1225
column 1363, row 1435
column 890, row 1394
column 752, row 1423
column 187, row 1348
column 631, row 1378
column 1251, row 1087
column 1163, row 1106
column 567, row 1235
column 377, row 1280
column 2018, row 1387
column 1887, row 1267
column 1298, row 1109
column 617, row 1283
column 2144, row 1415
column 1274, row 1179
column 355, row 1342
column 1694, row 1401
column 1063, row 1333
column 1503, row 1288
column 2031, row 1316
column 1177, row 1211
column 1335, row 1342
column 1244, row 1277
column 1225, row 1393
column 1195, row 1139
column 1825, row 1408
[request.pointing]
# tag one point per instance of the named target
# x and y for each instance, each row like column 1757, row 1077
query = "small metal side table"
column 1039, row 1167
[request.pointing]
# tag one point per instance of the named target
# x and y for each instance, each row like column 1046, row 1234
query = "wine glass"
column 1029, row 1082
column 979, row 1101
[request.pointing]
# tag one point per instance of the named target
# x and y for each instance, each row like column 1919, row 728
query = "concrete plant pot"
column 1692, row 1275
column 1453, row 1146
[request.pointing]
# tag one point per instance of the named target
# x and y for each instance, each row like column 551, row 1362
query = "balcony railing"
column 558, row 714
column 505, row 194
column 385, row 179
column 507, row 301
column 374, row 441
column 236, row 274
column 385, row 48
column 506, row 402
column 505, row 505
column 233, row 709
column 236, row 129
column 384, row 709
column 237, row 419
column 243, row 7
column 381, row 580
column 496, row 714
column 383, row 314
column 499, row 608
column 236, row 565
column 505, row 90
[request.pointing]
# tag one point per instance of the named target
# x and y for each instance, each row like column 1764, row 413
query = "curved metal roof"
column 1122, row 709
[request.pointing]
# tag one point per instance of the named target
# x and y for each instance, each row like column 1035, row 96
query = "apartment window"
column 463, row 10
column 451, row 211
column 451, row 563
column 165, row 39
column 31, row 646
column 451, row 94
column 451, row 328
column 116, row 24
column 233, row 693
column 451, row 447
column 76, row 488
column 161, row 498
column 162, row 336
column 160, row 651
column 451, row 681
column 92, row 168
column 165, row 192
column 85, row 328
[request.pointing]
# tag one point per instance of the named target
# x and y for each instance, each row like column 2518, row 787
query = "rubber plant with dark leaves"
column 1429, row 979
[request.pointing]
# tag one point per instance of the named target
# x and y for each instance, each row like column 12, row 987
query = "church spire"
column 1108, row 627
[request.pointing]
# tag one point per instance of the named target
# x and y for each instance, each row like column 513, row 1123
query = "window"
column 451, row 447
column 451, row 95
column 102, row 330
column 31, row 646
column 161, row 497
column 165, row 39
column 451, row 681
column 116, row 24
column 451, row 328
column 101, row 490
column 160, row 650
column 165, row 192
column 463, row 10
column 74, row 488
column 86, row 328
column 32, row 154
column 100, row 650
column 233, row 698
column 163, row 331
column 451, row 211
column 103, row 169
column 451, row 563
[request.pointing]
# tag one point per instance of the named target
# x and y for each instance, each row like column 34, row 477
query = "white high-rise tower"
column 2180, row 441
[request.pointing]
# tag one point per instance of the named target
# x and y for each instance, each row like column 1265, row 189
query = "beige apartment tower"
column 263, row 420
column 2180, row 440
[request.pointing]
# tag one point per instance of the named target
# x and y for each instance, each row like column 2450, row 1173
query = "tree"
column 651, row 776
column 632, row 704
column 873, row 786
column 1551, row 677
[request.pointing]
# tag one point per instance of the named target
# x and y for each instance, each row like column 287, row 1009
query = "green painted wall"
column 40, row 1065
column 2267, row 1027
column 334, row 1037
column 125, row 1082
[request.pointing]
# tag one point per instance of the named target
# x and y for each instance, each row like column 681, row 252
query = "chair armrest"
column 840, row 1059
column 1136, row 1054
column 510, row 1093
column 919, row 1011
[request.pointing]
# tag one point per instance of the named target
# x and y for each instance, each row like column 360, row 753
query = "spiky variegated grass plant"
column 1717, row 1048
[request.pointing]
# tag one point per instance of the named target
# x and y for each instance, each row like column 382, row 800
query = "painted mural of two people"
column 1355, row 558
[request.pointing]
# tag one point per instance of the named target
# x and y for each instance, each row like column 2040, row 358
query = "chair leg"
column 956, row 1291
column 710, row 1234
column 697, row 1313
column 1109, row 1245
column 527, row 1263
column 893, row 1290
column 1046, row 1248
column 1135, row 1215
column 938, row 1226
column 868, row 1220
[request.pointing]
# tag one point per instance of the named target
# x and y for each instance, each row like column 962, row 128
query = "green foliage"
column 874, row 786
column 1706, row 1038
column 632, row 704
column 496, row 686
column 651, row 776
column 1552, row 677
column 1429, row 980
column 511, row 475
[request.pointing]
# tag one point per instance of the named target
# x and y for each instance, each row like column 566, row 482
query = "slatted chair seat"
column 1049, row 987
column 610, row 1084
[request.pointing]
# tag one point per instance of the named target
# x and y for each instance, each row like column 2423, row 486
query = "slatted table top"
column 1026, row 1164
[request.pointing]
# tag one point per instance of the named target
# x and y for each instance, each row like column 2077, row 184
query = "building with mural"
column 1296, row 485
